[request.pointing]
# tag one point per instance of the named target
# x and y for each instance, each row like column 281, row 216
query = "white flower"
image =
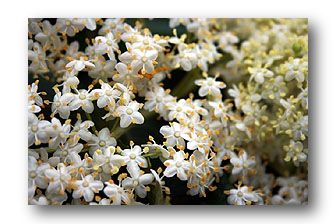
column 79, row 65
column 144, row 60
column 240, row 125
column 221, row 110
column 36, row 172
column 102, row 141
column 38, row 58
column 90, row 23
column 209, row 86
column 303, row 98
column 138, row 182
column 297, row 68
column 82, row 99
column 58, row 132
column 58, row 179
column 70, row 81
column 258, row 74
column 126, row 75
column 106, row 95
column 107, row 44
column 108, row 161
column 117, row 193
column 33, row 95
column 64, row 153
column 241, row 196
column 134, row 159
column 300, row 128
column 70, row 26
column 80, row 129
column 295, row 152
column 60, row 104
column 87, row 187
column 173, row 22
column 157, row 100
column 293, row 188
column 175, row 134
column 103, row 201
column 129, row 114
column 227, row 39
column 36, row 131
column 185, row 58
column 178, row 110
column 274, row 89
column 177, row 166
column 112, row 25
column 49, row 36
column 242, row 164
column 103, row 70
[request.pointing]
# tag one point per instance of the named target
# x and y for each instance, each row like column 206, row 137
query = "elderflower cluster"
column 226, row 100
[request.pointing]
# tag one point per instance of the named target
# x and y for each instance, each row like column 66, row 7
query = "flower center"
column 144, row 59
column 146, row 42
column 61, row 134
column 102, row 143
column 62, row 178
column 58, row 104
column 245, row 165
column 240, row 194
column 32, row 174
column 132, row 156
column 275, row 89
column 85, row 184
column 65, row 153
column 177, row 134
column 210, row 82
column 178, row 164
column 109, row 42
column 34, row 128
column 159, row 99
column 68, row 23
column 113, row 25
column 135, row 183
column 40, row 57
column 82, row 96
column 178, row 109
column 76, row 128
column 129, row 111
column 102, row 73
column 108, row 92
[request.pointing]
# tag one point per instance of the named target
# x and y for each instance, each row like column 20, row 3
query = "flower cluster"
column 237, row 111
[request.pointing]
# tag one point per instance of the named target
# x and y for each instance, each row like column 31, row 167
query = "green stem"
column 151, row 154
column 149, row 163
column 115, row 124
column 186, row 85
